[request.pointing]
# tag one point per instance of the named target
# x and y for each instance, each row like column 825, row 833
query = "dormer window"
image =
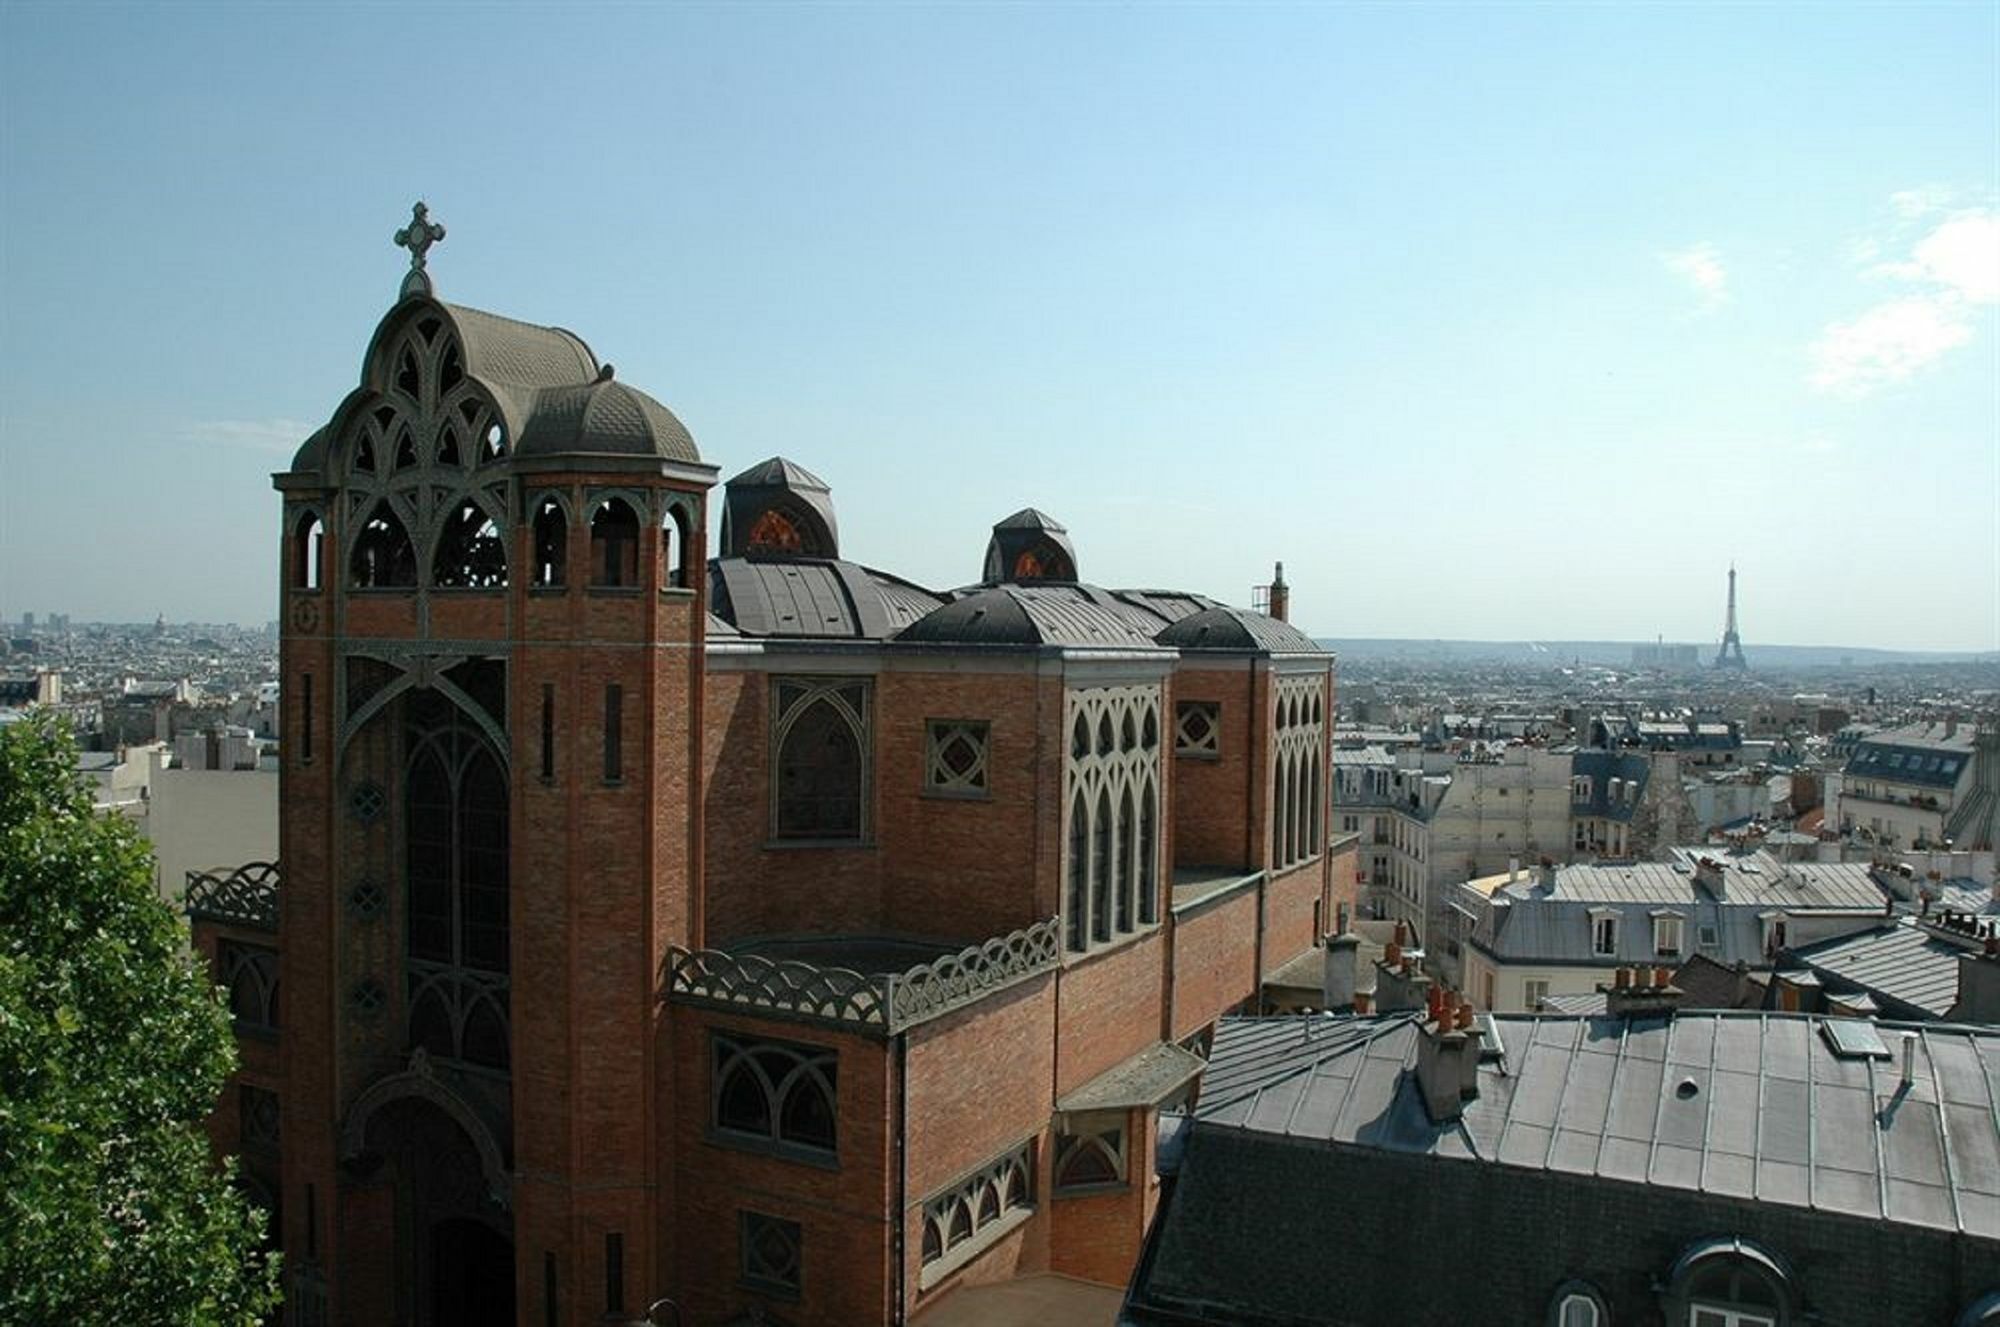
column 1666, row 935
column 1603, row 933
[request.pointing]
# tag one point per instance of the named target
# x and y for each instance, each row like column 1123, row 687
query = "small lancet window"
column 614, row 544
column 406, row 450
column 551, row 543
column 452, row 371
column 494, row 444
column 308, row 548
column 364, row 454
column 448, row 453
column 383, row 558
column 471, row 555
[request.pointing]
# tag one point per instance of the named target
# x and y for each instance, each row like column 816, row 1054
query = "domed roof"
column 1025, row 615
column 1028, row 547
column 1225, row 628
column 603, row 418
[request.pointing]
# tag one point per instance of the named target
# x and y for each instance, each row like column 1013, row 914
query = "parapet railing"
column 881, row 1003
column 246, row 896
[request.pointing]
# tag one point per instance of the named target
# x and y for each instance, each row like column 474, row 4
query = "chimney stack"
column 1281, row 596
column 1447, row 1059
column 1641, row 993
column 1337, row 977
column 1548, row 873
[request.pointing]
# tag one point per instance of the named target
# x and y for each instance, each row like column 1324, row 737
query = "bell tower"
column 491, row 675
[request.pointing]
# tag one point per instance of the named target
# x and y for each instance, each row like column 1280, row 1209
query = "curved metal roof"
column 813, row 597
column 1225, row 628
column 1031, row 615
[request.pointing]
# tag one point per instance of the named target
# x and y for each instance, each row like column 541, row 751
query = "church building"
column 767, row 933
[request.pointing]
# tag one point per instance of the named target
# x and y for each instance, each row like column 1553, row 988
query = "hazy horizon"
column 1470, row 316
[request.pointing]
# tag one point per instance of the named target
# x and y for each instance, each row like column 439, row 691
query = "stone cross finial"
column 418, row 237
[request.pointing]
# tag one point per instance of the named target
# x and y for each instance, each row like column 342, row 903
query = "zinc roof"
column 1904, row 963
column 1746, row 1105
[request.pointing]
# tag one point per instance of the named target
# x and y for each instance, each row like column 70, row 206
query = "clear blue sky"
column 1491, row 321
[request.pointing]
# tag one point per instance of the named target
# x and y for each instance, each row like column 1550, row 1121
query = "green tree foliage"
column 114, row 1044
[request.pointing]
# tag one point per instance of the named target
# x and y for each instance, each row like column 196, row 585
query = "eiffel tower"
column 1731, row 653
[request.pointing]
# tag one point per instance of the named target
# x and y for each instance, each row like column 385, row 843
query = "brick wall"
column 1214, row 960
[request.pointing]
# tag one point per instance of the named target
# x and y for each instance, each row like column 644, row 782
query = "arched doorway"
column 453, row 1237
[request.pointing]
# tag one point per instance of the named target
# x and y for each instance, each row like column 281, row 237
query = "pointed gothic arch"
column 383, row 557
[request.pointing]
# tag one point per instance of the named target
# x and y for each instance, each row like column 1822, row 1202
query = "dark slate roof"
column 1602, row 767
column 1530, row 923
column 1225, row 628
column 1920, row 754
column 1750, row 1106
column 1033, row 615
column 1900, row 965
column 813, row 597
column 777, row 472
column 604, row 418
column 1029, row 518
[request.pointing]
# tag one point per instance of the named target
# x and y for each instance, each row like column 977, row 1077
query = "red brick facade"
column 672, row 950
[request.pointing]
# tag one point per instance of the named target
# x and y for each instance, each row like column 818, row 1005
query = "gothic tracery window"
column 819, row 758
column 456, row 866
column 1112, row 777
column 775, row 1093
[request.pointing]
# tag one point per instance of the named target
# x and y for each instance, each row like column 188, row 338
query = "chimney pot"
column 1663, row 977
column 1909, row 1058
column 1392, row 953
column 1623, row 979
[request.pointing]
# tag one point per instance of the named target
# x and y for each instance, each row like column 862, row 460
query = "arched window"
column 1577, row 1304
column 1127, row 862
column 456, row 867
column 775, row 1093
column 1077, row 904
column 820, row 784
column 1728, row 1282
column 308, row 548
column 383, row 558
column 1148, row 872
column 1281, row 832
column 551, row 543
column 471, row 554
column 676, row 556
column 1100, row 871
column 1086, row 1160
column 1315, row 808
column 614, row 544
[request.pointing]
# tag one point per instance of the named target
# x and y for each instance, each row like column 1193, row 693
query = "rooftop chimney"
column 1447, row 1059
column 1548, row 873
column 1399, row 987
column 1641, row 993
column 1281, row 596
column 1336, row 981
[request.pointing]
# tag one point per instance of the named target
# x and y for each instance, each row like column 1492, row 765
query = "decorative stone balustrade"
column 246, row 896
column 882, row 1003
